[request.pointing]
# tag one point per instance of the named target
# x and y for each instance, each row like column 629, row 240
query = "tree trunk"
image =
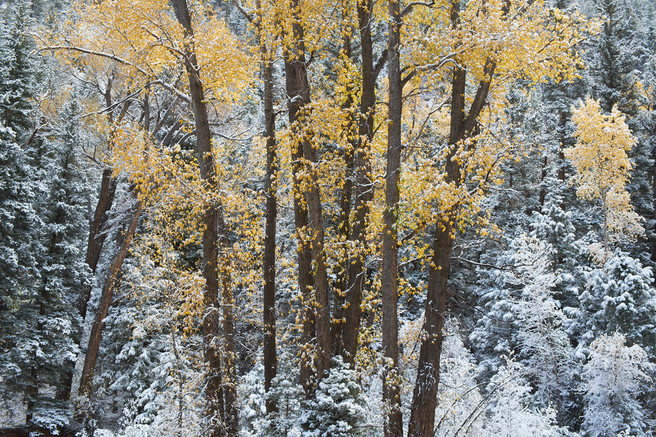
column 424, row 399
column 96, row 235
column 363, row 187
column 340, row 285
column 305, row 280
column 215, row 408
column 389, row 276
column 316, row 308
column 31, row 392
column 315, row 222
column 230, row 414
column 105, row 302
column 269, row 261
column 422, row 418
column 322, row 316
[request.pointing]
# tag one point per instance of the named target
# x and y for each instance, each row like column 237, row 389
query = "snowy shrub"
column 613, row 378
column 459, row 398
column 511, row 413
column 619, row 298
column 338, row 407
column 285, row 393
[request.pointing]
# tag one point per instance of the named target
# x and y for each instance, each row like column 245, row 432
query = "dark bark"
column 389, row 270
column 230, row 414
column 316, row 308
column 424, row 399
column 422, row 418
column 96, row 227
column 340, row 285
column 105, row 302
column 31, row 393
column 322, row 315
column 212, row 219
column 305, row 280
column 363, row 188
column 315, row 221
column 271, row 212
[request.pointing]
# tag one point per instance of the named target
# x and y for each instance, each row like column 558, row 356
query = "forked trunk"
column 96, row 235
column 311, row 240
column 424, row 399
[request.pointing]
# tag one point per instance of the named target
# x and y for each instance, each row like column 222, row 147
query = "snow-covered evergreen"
column 541, row 337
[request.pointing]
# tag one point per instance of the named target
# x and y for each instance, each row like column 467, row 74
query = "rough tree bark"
column 299, row 97
column 105, row 302
column 389, row 269
column 363, row 188
column 220, row 415
column 230, row 412
column 317, row 307
column 271, row 212
column 340, row 284
column 322, row 303
column 96, row 226
column 462, row 126
column 97, row 237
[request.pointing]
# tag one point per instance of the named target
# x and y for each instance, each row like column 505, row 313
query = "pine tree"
column 64, row 273
column 619, row 298
column 18, row 225
column 19, row 220
column 18, row 73
column 44, row 230
column 337, row 409
column 614, row 57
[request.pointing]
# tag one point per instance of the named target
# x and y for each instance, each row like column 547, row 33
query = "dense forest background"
column 327, row 218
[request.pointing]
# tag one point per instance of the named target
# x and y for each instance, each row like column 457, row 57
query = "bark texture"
column 96, row 235
column 299, row 96
column 363, row 187
column 271, row 212
column 220, row 412
column 311, row 239
column 462, row 126
column 105, row 302
column 389, row 276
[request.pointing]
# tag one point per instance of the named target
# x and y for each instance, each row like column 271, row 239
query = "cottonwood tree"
column 484, row 51
column 389, row 251
column 600, row 158
column 145, row 43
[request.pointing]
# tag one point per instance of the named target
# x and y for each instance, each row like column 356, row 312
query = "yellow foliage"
column 138, row 46
column 529, row 39
column 602, row 166
column 141, row 43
